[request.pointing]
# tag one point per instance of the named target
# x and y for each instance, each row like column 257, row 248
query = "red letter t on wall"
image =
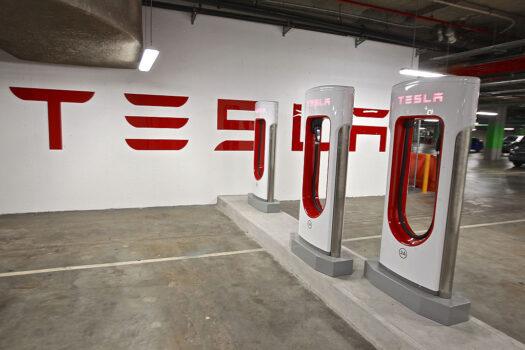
column 53, row 98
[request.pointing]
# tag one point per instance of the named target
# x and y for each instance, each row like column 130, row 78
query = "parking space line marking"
column 423, row 231
column 361, row 238
column 494, row 223
column 354, row 253
column 128, row 263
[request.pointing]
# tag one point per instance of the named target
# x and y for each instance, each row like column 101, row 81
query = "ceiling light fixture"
column 148, row 58
column 486, row 113
column 413, row 71
column 420, row 73
column 149, row 55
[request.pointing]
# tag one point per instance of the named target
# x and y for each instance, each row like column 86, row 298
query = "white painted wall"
column 215, row 58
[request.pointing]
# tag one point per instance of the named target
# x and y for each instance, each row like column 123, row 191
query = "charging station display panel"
column 415, row 148
column 264, row 149
column 328, row 112
column 259, row 148
column 316, row 150
column 442, row 111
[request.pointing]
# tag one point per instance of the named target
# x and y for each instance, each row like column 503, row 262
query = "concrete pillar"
column 495, row 134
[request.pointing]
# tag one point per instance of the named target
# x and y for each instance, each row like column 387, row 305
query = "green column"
column 495, row 135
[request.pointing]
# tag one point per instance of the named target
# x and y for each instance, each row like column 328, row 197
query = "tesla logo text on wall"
column 421, row 98
column 55, row 98
column 381, row 131
column 225, row 123
column 156, row 122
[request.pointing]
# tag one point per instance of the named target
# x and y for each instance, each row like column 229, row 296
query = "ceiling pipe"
column 483, row 12
column 344, row 14
column 482, row 50
column 512, row 65
column 503, row 92
column 284, row 17
column 412, row 15
column 503, row 83
column 487, row 102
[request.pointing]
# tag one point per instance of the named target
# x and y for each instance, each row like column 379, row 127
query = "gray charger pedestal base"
column 262, row 205
column 445, row 311
column 319, row 260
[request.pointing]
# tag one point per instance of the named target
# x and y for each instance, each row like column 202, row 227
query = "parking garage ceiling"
column 482, row 38
column 439, row 24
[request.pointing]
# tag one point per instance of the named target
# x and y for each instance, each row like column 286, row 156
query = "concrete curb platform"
column 383, row 321
column 319, row 261
column 445, row 311
column 262, row 205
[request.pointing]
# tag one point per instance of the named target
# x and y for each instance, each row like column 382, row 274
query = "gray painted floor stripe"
column 464, row 226
column 128, row 263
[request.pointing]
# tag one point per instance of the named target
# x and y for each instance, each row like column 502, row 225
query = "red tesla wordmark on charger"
column 381, row 131
column 54, row 99
column 223, row 123
column 156, row 122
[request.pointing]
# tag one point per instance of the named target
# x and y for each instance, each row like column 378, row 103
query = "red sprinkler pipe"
column 512, row 65
column 412, row 15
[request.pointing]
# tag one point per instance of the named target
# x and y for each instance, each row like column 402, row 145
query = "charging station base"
column 262, row 205
column 445, row 311
column 319, row 260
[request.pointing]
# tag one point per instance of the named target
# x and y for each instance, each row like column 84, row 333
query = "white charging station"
column 262, row 198
column 417, row 268
column 318, row 241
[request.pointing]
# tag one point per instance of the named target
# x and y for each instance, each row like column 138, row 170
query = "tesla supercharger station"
column 265, row 139
column 417, row 268
column 318, row 241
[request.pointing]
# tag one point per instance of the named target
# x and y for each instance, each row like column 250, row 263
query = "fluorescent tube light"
column 509, row 129
column 420, row 73
column 148, row 58
column 486, row 113
column 431, row 120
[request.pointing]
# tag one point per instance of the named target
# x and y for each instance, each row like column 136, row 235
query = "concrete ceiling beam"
column 78, row 32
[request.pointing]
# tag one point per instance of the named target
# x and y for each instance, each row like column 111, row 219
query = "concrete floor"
column 491, row 258
column 243, row 300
